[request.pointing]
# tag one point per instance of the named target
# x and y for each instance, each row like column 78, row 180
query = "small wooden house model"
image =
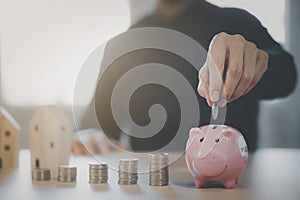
column 9, row 141
column 50, row 139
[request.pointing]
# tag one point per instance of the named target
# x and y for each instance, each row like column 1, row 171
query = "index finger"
column 216, row 65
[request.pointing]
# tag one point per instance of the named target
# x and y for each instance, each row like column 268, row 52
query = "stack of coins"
column 66, row 173
column 158, row 169
column 128, row 168
column 40, row 174
column 98, row 173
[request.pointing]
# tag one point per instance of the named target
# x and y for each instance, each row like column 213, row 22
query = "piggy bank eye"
column 201, row 140
column 217, row 140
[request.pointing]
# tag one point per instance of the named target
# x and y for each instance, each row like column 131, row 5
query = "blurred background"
column 44, row 43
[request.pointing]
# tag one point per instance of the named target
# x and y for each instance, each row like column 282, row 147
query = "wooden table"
column 272, row 174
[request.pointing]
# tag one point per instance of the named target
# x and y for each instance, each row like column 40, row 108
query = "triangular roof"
column 9, row 118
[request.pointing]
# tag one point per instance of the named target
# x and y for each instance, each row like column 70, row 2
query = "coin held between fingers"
column 214, row 111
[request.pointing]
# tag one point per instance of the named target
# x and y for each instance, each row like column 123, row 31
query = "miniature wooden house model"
column 9, row 141
column 50, row 139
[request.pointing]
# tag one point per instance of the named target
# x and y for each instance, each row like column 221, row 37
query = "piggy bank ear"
column 194, row 132
column 228, row 135
column 192, row 135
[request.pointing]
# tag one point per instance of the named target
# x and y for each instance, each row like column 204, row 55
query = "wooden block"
column 9, row 141
column 50, row 139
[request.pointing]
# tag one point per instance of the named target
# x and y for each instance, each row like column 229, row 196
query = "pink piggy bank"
column 216, row 153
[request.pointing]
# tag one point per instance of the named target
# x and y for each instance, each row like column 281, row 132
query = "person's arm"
column 249, row 60
column 281, row 77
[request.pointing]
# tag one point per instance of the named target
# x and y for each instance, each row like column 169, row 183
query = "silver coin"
column 128, row 171
column 98, row 173
column 67, row 173
column 98, row 166
column 158, row 169
column 214, row 111
column 41, row 174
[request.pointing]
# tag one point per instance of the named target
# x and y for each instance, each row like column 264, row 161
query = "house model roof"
column 9, row 118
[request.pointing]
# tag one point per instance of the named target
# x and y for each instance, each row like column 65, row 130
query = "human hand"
column 236, row 61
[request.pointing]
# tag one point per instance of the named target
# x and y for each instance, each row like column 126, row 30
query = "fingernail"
column 215, row 96
column 208, row 103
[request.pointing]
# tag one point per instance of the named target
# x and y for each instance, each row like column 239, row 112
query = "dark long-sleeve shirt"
column 201, row 21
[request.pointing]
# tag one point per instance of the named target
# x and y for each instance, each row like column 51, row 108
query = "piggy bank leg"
column 199, row 182
column 230, row 184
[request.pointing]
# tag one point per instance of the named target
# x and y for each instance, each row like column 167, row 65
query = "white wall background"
column 44, row 44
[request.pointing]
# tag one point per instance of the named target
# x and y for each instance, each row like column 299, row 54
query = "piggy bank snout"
column 213, row 164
